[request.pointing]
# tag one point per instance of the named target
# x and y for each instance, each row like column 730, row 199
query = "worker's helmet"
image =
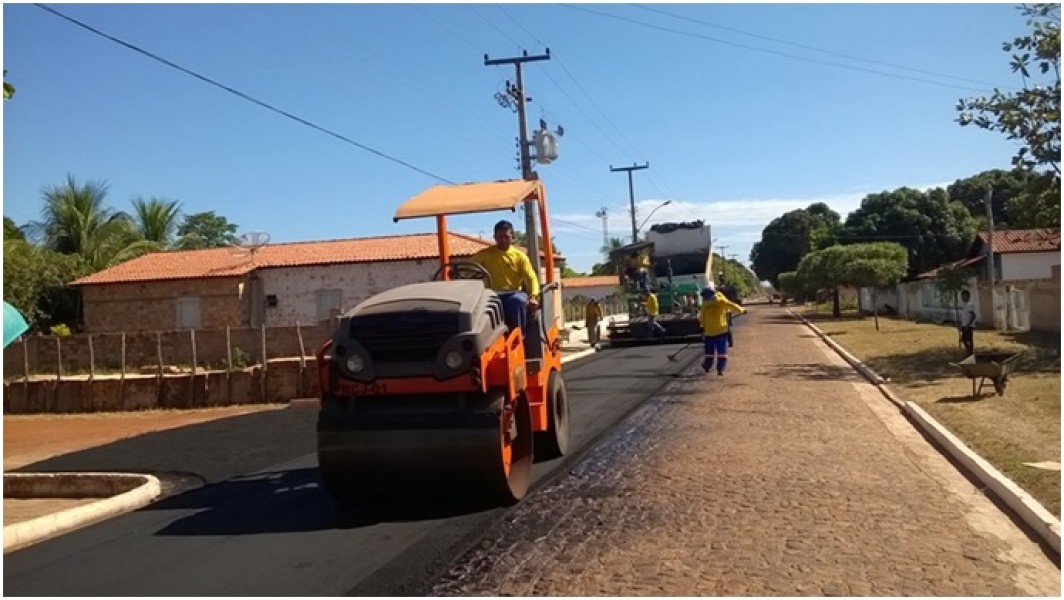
column 708, row 292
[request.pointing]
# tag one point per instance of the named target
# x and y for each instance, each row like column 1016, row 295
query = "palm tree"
column 74, row 220
column 156, row 219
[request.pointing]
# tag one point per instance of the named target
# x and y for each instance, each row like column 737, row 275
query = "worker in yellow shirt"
column 650, row 299
column 713, row 316
column 510, row 271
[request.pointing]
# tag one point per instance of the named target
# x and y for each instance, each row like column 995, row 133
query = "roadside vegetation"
column 1012, row 431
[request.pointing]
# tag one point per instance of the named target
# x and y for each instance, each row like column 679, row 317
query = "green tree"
column 156, row 219
column 934, row 229
column 9, row 90
column 205, row 230
column 949, row 281
column 608, row 267
column 36, row 282
column 1030, row 116
column 876, row 266
column 791, row 285
column 789, row 237
column 1038, row 205
column 12, row 231
column 74, row 220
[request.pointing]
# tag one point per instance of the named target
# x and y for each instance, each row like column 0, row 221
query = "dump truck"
column 675, row 260
column 427, row 385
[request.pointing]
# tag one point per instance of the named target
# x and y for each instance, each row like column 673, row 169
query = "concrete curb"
column 133, row 492
column 1029, row 510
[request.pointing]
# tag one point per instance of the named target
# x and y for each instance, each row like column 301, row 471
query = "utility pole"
column 631, row 193
column 987, row 201
column 517, row 93
column 734, row 257
column 723, row 262
column 604, row 215
column 990, row 239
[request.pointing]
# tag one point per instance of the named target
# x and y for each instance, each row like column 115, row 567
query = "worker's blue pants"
column 514, row 309
column 716, row 345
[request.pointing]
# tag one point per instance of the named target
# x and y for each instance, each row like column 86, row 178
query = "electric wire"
column 767, row 50
column 813, row 48
column 244, row 96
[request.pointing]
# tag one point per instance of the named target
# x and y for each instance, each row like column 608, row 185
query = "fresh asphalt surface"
column 256, row 523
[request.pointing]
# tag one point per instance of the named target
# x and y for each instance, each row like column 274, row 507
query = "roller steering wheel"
column 464, row 270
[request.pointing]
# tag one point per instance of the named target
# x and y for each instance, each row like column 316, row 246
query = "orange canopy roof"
column 467, row 198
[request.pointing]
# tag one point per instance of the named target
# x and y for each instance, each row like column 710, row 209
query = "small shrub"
column 60, row 330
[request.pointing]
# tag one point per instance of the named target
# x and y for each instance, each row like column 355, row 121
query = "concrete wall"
column 600, row 292
column 921, row 300
column 152, row 305
column 296, row 288
column 1028, row 265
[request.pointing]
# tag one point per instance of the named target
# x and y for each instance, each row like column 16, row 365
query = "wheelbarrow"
column 995, row 366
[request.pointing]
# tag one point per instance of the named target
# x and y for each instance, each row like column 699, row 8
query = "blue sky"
column 737, row 129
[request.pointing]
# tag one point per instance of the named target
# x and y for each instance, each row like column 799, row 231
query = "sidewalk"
column 789, row 476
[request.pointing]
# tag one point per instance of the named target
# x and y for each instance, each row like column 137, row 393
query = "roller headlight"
column 355, row 364
column 453, row 359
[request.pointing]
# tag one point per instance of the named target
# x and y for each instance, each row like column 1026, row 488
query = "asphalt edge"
column 26, row 533
column 1022, row 504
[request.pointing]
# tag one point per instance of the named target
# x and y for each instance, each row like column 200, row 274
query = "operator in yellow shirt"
column 650, row 299
column 714, row 319
column 510, row 269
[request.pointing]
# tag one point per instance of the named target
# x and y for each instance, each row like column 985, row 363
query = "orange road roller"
column 426, row 384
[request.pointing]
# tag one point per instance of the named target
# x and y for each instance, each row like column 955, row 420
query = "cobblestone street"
column 790, row 475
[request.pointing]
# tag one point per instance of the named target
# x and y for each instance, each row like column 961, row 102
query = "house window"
column 188, row 313
column 328, row 304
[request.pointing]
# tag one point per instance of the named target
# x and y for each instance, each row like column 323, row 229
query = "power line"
column 244, row 96
column 767, row 50
column 496, row 27
column 813, row 48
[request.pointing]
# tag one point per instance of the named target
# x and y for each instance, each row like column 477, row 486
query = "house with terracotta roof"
column 1026, row 275
column 276, row 285
column 596, row 286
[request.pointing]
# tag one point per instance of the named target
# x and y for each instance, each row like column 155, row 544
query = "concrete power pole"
column 631, row 193
column 517, row 93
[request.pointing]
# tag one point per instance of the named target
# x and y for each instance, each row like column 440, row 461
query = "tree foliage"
column 1030, row 116
column 12, row 231
column 874, row 265
column 1020, row 199
column 933, row 229
column 156, row 219
column 9, row 90
column 205, row 230
column 791, row 236
column 74, row 220
column 35, row 282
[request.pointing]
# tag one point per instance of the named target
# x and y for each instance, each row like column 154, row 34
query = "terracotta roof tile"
column 1023, row 240
column 594, row 281
column 228, row 262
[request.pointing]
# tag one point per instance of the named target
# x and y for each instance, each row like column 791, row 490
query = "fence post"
column 262, row 380
column 92, row 360
column 302, row 360
column 58, row 359
column 228, row 367
column 192, row 379
column 26, row 365
column 122, row 376
column 159, row 368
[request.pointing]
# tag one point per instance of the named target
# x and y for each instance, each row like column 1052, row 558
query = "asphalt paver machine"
column 426, row 385
column 675, row 260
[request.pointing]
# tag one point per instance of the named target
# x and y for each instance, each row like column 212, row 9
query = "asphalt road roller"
column 427, row 385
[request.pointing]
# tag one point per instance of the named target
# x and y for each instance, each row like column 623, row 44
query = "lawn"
column 1023, row 426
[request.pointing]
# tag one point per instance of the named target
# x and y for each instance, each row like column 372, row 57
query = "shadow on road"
column 811, row 372
column 294, row 501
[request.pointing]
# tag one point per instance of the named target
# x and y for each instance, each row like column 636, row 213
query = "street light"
column 662, row 205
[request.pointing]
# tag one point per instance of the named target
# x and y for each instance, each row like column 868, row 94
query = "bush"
column 60, row 330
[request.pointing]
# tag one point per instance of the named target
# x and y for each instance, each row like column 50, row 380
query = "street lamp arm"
column 656, row 208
